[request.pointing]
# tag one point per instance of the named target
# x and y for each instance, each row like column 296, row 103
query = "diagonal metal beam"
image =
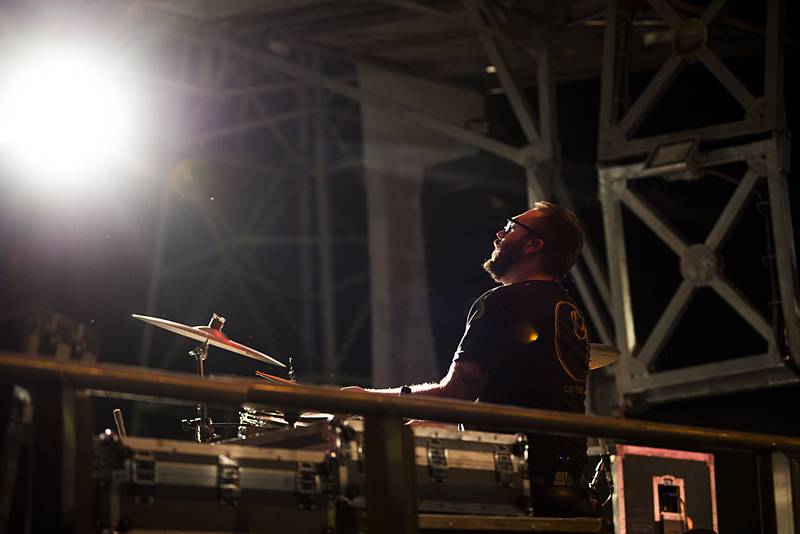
column 742, row 305
column 400, row 110
column 243, row 127
column 255, row 214
column 727, row 78
column 598, row 318
column 516, row 97
column 213, row 285
column 260, row 90
column 666, row 12
column 666, row 323
column 223, row 69
column 666, row 232
column 714, row 11
column 210, row 156
column 172, row 83
column 591, row 258
column 643, row 105
column 295, row 156
column 732, row 212
column 459, row 22
column 220, row 231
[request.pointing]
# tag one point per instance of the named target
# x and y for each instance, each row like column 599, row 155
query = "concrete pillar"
column 396, row 155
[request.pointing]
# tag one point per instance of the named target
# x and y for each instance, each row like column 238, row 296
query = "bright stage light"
column 66, row 114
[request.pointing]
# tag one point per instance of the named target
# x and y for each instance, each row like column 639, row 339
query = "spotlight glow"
column 66, row 114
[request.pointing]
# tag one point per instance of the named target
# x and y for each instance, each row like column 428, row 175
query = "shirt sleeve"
column 488, row 336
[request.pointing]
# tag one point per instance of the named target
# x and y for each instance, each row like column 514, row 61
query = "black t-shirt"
column 532, row 343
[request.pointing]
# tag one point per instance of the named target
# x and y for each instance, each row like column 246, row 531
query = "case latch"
column 307, row 485
column 504, row 466
column 437, row 461
column 228, row 474
column 143, row 474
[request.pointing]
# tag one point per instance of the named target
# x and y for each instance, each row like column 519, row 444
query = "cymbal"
column 214, row 336
column 601, row 355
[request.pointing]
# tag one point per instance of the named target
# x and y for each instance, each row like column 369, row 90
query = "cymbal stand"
column 604, row 467
column 204, row 429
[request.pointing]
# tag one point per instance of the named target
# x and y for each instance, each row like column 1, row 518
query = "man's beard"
column 503, row 259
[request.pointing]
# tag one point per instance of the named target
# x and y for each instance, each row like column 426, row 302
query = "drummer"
column 526, row 342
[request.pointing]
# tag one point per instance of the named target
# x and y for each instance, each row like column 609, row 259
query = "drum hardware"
column 120, row 423
column 210, row 335
column 603, row 466
column 599, row 356
column 292, row 375
column 273, row 378
column 292, row 418
column 190, row 424
column 253, row 421
column 202, row 425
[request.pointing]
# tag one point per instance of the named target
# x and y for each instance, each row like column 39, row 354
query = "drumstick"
column 275, row 378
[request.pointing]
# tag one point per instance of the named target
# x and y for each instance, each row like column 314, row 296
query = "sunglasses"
column 510, row 226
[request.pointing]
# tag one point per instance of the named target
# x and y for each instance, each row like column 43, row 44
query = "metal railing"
column 388, row 473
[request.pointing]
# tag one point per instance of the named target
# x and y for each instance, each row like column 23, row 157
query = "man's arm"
column 463, row 381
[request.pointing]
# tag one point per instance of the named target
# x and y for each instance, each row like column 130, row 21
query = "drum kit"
column 255, row 420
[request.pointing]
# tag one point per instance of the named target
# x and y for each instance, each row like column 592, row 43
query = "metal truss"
column 758, row 139
column 288, row 137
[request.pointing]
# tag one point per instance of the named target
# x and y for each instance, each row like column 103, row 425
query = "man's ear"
column 534, row 245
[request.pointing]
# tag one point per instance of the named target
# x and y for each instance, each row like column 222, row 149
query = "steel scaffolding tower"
column 754, row 144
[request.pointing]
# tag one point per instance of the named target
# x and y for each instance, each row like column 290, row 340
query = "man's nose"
column 501, row 234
